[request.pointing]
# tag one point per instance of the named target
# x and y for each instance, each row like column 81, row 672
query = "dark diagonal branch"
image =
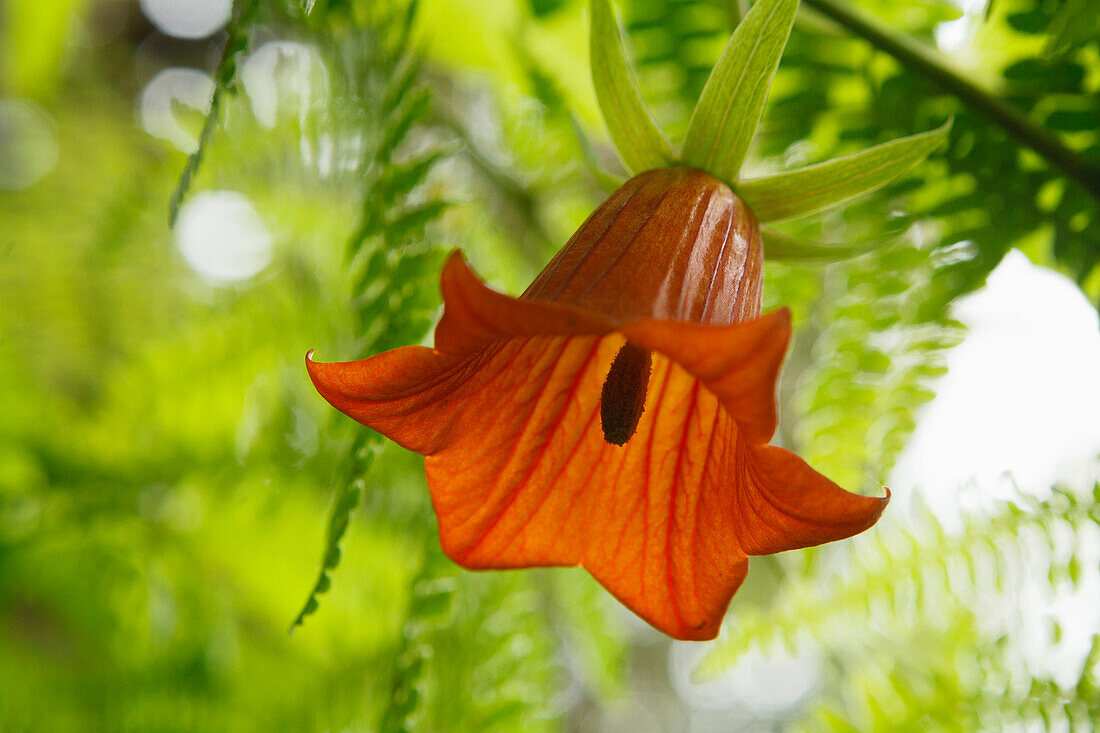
column 923, row 61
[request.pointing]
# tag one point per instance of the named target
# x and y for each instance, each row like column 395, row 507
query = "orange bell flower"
column 617, row 414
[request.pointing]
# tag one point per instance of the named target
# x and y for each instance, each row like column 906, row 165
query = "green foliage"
column 921, row 562
column 986, row 196
column 384, row 248
column 872, row 363
column 808, row 190
column 476, row 654
column 145, row 517
column 33, row 40
column 640, row 141
column 1072, row 24
column 348, row 495
column 724, row 120
column 906, row 606
column 784, row 247
column 224, row 77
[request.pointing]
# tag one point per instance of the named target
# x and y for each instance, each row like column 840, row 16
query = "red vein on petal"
column 584, row 485
column 578, row 490
column 648, row 456
column 522, row 431
column 624, row 451
column 502, row 365
column 572, row 451
column 542, row 452
column 718, row 412
column 672, row 505
column 751, row 486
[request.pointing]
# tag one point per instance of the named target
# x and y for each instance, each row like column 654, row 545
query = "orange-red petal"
column 476, row 316
column 530, row 480
column 794, row 506
column 739, row 363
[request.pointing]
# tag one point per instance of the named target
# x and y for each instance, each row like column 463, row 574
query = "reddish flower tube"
column 520, row 414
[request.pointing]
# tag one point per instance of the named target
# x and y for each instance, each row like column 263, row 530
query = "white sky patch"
column 1018, row 412
column 1040, row 608
column 222, row 236
column 765, row 684
column 954, row 35
column 187, row 18
column 1019, row 405
column 165, row 95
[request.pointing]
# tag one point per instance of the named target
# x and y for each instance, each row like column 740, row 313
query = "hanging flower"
column 618, row 414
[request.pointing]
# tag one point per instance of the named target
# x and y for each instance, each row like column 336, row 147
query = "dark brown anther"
column 623, row 398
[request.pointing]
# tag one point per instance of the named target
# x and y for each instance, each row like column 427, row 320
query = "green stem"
column 236, row 40
column 922, row 60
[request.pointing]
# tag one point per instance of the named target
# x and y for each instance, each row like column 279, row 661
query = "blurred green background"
column 171, row 485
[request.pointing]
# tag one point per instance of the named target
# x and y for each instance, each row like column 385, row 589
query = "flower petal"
column 401, row 393
column 529, row 480
column 795, row 506
column 739, row 363
column 476, row 316
column 672, row 243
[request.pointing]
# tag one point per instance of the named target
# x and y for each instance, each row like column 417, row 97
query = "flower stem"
column 921, row 60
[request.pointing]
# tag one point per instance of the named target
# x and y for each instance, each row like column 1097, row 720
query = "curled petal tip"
column 783, row 315
column 455, row 256
column 795, row 506
column 309, row 356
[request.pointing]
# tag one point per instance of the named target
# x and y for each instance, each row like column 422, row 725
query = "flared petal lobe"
column 507, row 406
column 794, row 506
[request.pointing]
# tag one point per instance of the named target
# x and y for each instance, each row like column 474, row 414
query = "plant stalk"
column 921, row 60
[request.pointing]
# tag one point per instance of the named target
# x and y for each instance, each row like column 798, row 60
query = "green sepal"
column 816, row 187
column 640, row 141
column 784, row 247
column 729, row 109
column 607, row 180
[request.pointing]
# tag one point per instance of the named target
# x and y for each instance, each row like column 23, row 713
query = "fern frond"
column 389, row 267
column 900, row 571
column 349, row 492
column 224, row 77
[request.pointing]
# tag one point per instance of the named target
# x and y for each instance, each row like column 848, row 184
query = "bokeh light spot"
column 222, row 236
column 168, row 94
column 28, row 145
column 284, row 75
column 187, row 18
